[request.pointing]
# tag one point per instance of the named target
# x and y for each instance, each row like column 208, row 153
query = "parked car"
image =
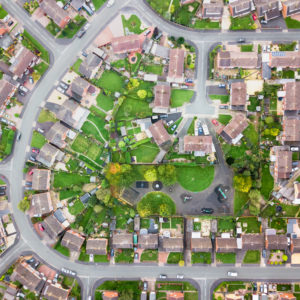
column 35, row 150
column 207, row 211
column 110, row 3
column 41, row 227
column 19, row 136
column 24, row 89
column 241, row 40
column 223, row 106
column 254, row 17
column 174, row 127
column 63, row 85
column 170, row 122
column 264, row 253
column 22, row 93
column 112, row 252
column 81, row 33
column 84, row 54
column 145, row 285
column 180, row 276
column 254, row 286
column 87, row 25
column 264, row 21
column 294, row 149
column 215, row 122
column 61, row 90
column 222, row 85
column 40, row 130
column 10, row 23
column 147, row 32
column 232, row 274
column 32, row 158
column 163, row 276
column 31, row 80
column 2, row 193
column 3, row 188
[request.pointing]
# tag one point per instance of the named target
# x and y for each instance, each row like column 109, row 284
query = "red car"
column 215, row 122
column 41, row 228
column 34, row 150
column 30, row 173
column 254, row 17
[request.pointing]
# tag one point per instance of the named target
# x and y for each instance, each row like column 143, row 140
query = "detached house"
column 90, row 66
column 240, row 8
column 198, row 145
column 79, row 89
column 53, row 227
column 49, row 155
column 232, row 132
column 21, row 61
column 238, row 96
column 72, row 240
column 41, row 204
column 7, row 89
column 283, row 165
column 41, row 180
column 291, row 101
column 126, row 44
column 236, row 59
column 269, row 9
column 57, row 134
column 211, row 9
column 97, row 246
column 162, row 97
column 160, row 135
column 290, row 7
column 59, row 16
column 291, row 130
column 176, row 66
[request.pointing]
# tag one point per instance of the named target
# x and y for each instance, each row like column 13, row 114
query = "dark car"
column 3, row 188
column 112, row 252
column 81, row 33
column 264, row 253
column 2, row 193
column 223, row 106
column 241, row 40
column 207, row 211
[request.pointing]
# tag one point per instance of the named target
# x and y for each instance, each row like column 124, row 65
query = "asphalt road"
column 63, row 55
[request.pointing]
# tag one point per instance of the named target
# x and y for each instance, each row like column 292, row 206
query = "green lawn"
column 76, row 65
column 195, row 179
column 63, row 179
column 240, row 199
column 41, row 68
column 206, row 24
column 252, row 257
column 223, row 98
column 105, row 102
column 253, row 225
column 267, row 181
column 94, row 151
column 254, row 102
column 73, row 27
column 247, row 48
column 91, row 129
column 291, row 23
column 179, row 97
column 226, row 225
column 33, row 45
column 76, row 208
column 97, row 112
column 133, row 24
column 7, row 140
column 53, row 28
column 83, row 256
column 111, row 81
column 226, row 258
column 201, row 258
column 288, row 74
column 100, row 125
column 156, row 203
column 80, row 144
column 251, row 134
column 38, row 140
column 3, row 12
column 280, row 224
column 243, row 23
column 63, row 250
column 46, row 116
column 174, row 257
column 98, row 3
column 67, row 194
column 126, row 256
column 145, row 153
column 224, row 119
column 132, row 109
column 100, row 259
column 149, row 255
column 154, row 69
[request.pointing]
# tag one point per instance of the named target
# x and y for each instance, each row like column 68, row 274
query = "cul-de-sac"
column 150, row 149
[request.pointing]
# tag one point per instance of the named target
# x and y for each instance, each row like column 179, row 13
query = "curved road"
column 63, row 55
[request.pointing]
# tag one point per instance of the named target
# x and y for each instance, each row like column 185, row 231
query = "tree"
column 142, row 94
column 120, row 175
column 274, row 131
column 126, row 295
column 150, row 175
column 254, row 199
column 97, row 209
column 104, row 195
column 269, row 120
column 180, row 40
column 242, row 183
column 24, row 204
column 167, row 174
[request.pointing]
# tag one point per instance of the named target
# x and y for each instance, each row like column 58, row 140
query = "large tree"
column 167, row 174
column 242, row 183
column 120, row 175
column 104, row 195
column 254, row 199
column 151, row 174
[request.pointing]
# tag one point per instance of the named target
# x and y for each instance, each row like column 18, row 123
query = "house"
column 59, row 16
column 238, row 95
column 79, row 89
column 269, row 9
column 199, row 145
column 232, row 132
column 297, row 193
column 49, row 154
column 291, row 101
column 96, row 246
column 41, row 180
column 290, row 7
column 226, row 244
column 240, row 8
column 238, row 59
column 291, row 130
column 176, row 66
column 201, row 244
column 53, row 227
column 295, row 245
column 28, row 276
column 175, row 296
column 57, row 134
column 122, row 241
column 276, row 242
column 41, row 204
column 90, row 66
column 54, row 291
column 160, row 135
column 172, row 244
column 70, row 113
column 283, row 165
column 7, row 90
column 126, row 44
column 110, row 295
column 162, row 95
column 211, row 9
column 21, row 61
column 72, row 240
column 284, row 59
column 3, row 29
column 148, row 241
column 253, row 241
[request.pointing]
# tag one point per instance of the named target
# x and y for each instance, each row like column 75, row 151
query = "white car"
column 170, row 123
column 110, row 3
column 180, row 276
column 232, row 274
column 86, row 26
column 24, row 89
column 40, row 130
column 60, row 89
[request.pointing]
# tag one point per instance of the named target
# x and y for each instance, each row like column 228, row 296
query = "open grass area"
column 76, row 65
column 98, row 3
column 224, row 119
column 46, row 116
column 63, row 250
column 125, row 256
column 291, row 23
column 201, row 258
column 99, row 123
column 206, row 24
column 243, row 23
column 111, row 81
column 38, row 140
column 67, row 194
column 156, row 203
column 254, row 102
column 145, row 153
column 7, row 141
column 41, row 68
column 105, row 102
column 280, row 224
column 133, row 24
column 76, row 208
column 226, row 258
column 149, row 255
column 154, row 69
column 267, row 181
column 33, row 45
column 223, row 98
column 53, row 28
column 63, row 179
column 250, row 225
column 251, row 134
column 179, row 97
column 3, row 12
column 252, row 257
column 97, row 112
column 174, row 257
column 195, row 179
column 73, row 27
column 240, row 199
column 80, row 144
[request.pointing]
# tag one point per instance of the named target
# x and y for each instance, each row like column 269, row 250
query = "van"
column 232, row 274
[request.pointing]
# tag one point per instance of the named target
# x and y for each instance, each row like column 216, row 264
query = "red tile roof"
column 238, row 94
column 283, row 165
column 198, row 143
column 159, row 133
column 292, row 99
column 291, row 130
column 162, row 95
column 176, row 65
column 125, row 44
